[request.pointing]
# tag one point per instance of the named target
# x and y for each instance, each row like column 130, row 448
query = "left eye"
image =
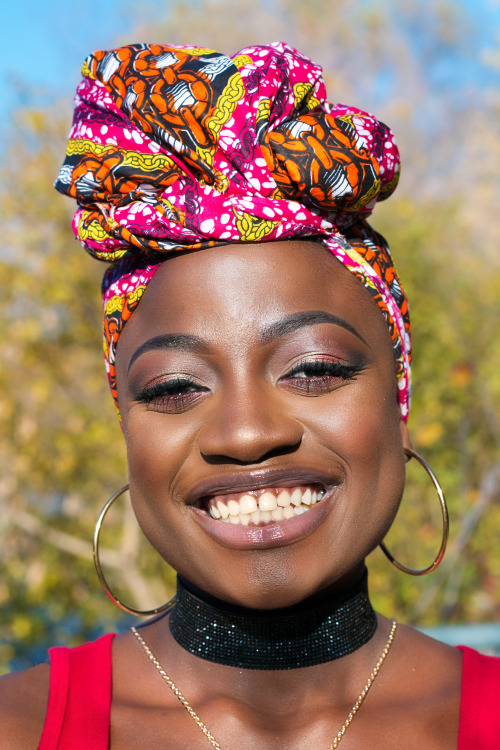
column 318, row 376
column 171, row 396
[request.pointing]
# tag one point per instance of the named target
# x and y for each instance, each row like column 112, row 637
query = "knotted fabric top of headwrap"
column 175, row 148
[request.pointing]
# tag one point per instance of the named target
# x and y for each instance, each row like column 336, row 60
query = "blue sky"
column 44, row 43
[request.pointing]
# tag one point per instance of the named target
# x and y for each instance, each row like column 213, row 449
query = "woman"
column 262, row 379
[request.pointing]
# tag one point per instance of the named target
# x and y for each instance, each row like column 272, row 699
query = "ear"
column 405, row 435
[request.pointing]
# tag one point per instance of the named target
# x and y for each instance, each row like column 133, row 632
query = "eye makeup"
column 319, row 374
column 171, row 395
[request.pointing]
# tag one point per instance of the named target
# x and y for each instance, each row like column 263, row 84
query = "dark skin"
column 240, row 398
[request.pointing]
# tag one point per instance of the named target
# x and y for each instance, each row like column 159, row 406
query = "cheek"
column 361, row 419
column 362, row 429
column 158, row 449
column 157, row 446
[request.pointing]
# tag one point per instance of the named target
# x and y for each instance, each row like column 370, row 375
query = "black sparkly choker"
column 299, row 636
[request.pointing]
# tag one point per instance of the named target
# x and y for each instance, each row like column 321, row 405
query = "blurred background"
column 431, row 70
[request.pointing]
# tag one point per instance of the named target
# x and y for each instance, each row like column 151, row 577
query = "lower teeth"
column 263, row 517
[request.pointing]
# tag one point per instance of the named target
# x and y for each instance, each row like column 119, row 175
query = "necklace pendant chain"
column 211, row 739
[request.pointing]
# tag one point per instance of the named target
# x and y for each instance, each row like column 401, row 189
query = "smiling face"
column 259, row 403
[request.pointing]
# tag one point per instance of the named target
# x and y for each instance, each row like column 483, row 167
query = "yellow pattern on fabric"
column 118, row 303
column 115, row 304
column 365, row 199
column 241, row 60
column 145, row 162
column 195, row 50
column 86, row 72
column 226, row 104
column 263, row 111
column 304, row 95
column 252, row 228
column 389, row 187
column 93, row 231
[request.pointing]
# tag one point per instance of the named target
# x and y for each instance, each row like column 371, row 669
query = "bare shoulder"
column 430, row 662
column 23, row 705
column 424, row 679
column 418, row 645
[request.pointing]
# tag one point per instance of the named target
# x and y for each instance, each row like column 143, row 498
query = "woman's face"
column 261, row 377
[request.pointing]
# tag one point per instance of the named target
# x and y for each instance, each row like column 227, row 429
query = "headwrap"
column 177, row 148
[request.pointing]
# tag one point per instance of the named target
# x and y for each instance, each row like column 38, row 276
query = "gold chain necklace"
column 352, row 713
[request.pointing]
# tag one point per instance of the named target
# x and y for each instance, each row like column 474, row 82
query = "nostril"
column 218, row 459
column 248, row 434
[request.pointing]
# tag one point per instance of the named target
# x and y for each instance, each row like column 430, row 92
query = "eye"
column 171, row 396
column 314, row 377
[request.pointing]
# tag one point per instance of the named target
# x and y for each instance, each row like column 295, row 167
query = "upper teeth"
column 263, row 506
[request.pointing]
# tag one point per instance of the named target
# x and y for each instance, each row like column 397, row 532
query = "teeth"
column 222, row 508
column 277, row 514
column 283, row 499
column 267, row 502
column 255, row 517
column 248, row 504
column 263, row 506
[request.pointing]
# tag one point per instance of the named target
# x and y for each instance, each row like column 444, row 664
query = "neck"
column 304, row 635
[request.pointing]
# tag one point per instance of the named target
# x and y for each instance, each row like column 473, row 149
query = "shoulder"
column 427, row 677
column 23, row 706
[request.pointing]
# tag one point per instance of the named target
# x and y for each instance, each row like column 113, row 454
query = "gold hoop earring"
column 446, row 523
column 100, row 574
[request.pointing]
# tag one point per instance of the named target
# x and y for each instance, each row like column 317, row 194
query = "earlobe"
column 405, row 435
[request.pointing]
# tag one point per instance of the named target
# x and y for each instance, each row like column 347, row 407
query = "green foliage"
column 61, row 450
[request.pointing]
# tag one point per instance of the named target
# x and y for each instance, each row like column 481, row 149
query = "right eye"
column 171, row 396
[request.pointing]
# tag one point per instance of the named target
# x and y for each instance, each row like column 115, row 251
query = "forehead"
column 239, row 290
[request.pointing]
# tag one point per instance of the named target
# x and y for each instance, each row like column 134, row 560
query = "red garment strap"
column 479, row 708
column 79, row 697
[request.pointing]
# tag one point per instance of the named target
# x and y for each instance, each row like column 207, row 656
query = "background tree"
column 61, row 450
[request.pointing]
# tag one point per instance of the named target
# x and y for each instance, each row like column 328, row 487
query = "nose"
column 249, row 427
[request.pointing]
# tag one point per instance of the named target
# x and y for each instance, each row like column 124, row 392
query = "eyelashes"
column 171, row 396
column 315, row 377
column 311, row 377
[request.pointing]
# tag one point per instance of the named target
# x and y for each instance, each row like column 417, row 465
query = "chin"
column 271, row 586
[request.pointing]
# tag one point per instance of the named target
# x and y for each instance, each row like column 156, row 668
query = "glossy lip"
column 274, row 534
column 246, row 481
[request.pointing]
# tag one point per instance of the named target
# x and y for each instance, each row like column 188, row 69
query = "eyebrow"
column 169, row 341
column 280, row 328
column 292, row 323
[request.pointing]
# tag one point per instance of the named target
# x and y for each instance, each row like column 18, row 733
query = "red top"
column 480, row 703
column 80, row 699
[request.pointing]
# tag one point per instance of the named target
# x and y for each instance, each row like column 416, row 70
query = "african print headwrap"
column 175, row 148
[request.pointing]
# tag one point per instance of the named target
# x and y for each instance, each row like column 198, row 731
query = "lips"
column 265, row 508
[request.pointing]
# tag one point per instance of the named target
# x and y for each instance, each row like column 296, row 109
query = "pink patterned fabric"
column 176, row 148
